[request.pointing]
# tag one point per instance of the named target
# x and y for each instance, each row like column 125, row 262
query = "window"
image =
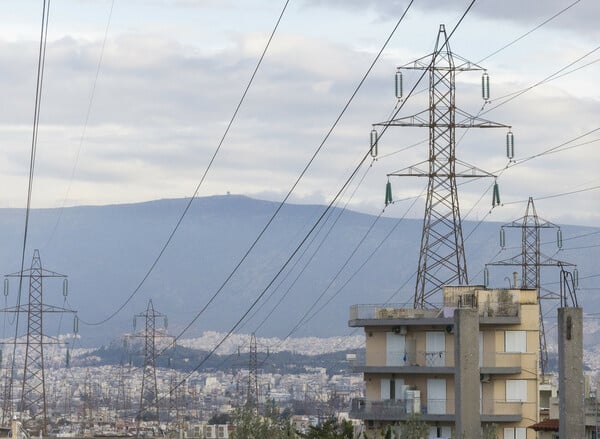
column 515, row 433
column 394, row 349
column 392, row 388
column 436, row 396
column 435, row 349
column 516, row 390
column 515, row 341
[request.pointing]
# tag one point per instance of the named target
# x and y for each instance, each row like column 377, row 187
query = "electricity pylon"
column 33, row 385
column 531, row 260
column 252, row 393
column 442, row 258
column 148, row 409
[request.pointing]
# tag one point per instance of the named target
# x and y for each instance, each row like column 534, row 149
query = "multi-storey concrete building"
column 470, row 364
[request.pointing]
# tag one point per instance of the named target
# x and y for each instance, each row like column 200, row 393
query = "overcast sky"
column 173, row 71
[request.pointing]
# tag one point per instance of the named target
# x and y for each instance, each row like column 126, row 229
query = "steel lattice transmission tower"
column 531, row 260
column 33, row 384
column 442, row 255
column 252, row 393
column 148, row 409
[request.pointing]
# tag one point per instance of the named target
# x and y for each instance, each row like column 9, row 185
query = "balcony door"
column 436, row 396
column 392, row 388
column 435, row 348
column 395, row 345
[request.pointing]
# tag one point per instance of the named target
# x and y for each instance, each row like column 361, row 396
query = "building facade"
column 414, row 358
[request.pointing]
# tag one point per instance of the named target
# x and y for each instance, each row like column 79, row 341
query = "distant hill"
column 107, row 250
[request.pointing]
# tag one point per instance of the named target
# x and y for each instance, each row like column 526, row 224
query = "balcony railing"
column 501, row 359
column 397, row 311
column 437, row 359
column 389, row 311
column 390, row 409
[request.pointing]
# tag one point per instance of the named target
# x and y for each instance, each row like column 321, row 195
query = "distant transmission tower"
column 531, row 260
column 442, row 257
column 33, row 385
column 148, row 409
column 252, row 394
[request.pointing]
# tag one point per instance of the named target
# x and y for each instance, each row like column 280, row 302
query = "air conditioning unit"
column 484, row 377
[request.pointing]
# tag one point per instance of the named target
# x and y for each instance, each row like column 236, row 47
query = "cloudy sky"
column 172, row 72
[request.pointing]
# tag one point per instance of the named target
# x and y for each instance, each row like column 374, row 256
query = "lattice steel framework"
column 252, row 392
column 442, row 258
column 149, row 408
column 531, row 260
column 33, row 384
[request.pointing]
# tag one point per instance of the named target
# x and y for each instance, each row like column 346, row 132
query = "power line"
column 548, row 20
column 515, row 95
column 86, row 121
column 295, row 184
column 312, row 256
column 189, row 203
column 562, row 194
column 34, row 138
column 348, row 180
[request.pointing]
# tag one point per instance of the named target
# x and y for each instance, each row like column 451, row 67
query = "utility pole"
column 531, row 260
column 442, row 256
column 148, row 408
column 33, row 385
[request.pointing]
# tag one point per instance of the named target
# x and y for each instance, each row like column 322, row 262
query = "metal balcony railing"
column 398, row 409
column 389, row 311
column 438, row 359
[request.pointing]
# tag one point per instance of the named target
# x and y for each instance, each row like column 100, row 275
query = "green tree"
column 490, row 431
column 330, row 429
column 414, row 428
column 249, row 424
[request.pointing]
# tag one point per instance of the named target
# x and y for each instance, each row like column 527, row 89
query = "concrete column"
column 466, row 373
column 570, row 373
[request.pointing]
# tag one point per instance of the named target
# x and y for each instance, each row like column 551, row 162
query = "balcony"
column 402, row 409
column 435, row 362
column 503, row 313
column 432, row 410
column 501, row 363
column 409, row 362
column 395, row 314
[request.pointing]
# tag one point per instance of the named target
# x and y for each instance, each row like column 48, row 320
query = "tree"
column 490, row 431
column 249, row 424
column 219, row 419
column 414, row 428
column 330, row 429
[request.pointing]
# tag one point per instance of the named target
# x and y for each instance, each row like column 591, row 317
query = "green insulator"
column 65, row 287
column 485, row 86
column 75, row 324
column 68, row 359
column 5, row 287
column 502, row 238
column 486, row 277
column 496, row 196
column 388, row 193
column 576, row 278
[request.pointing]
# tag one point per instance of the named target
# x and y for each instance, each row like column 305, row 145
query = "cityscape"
column 461, row 305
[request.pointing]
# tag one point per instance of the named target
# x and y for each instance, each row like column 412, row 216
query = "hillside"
column 107, row 250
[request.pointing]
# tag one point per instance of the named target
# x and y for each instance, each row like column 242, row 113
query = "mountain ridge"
column 106, row 251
